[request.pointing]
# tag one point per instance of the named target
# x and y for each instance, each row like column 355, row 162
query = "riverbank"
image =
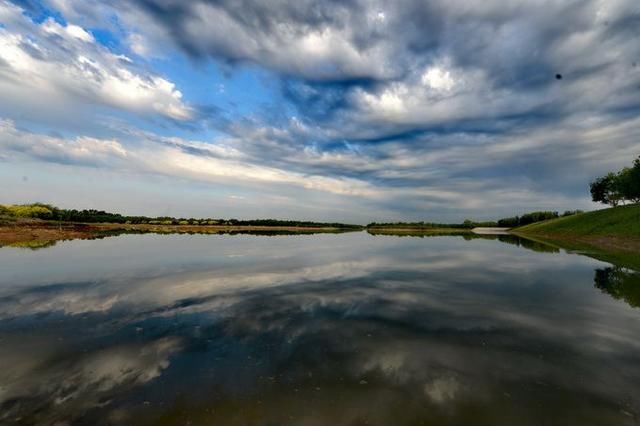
column 622, row 221
column 613, row 230
column 27, row 232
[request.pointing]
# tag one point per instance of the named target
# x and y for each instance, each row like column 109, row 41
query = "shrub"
column 31, row 211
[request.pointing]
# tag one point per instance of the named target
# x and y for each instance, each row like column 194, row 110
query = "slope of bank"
column 611, row 235
column 623, row 221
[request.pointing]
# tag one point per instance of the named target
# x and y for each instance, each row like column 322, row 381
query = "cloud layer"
column 417, row 110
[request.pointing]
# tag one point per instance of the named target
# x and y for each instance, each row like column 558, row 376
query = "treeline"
column 620, row 187
column 533, row 217
column 467, row 224
column 507, row 222
column 49, row 212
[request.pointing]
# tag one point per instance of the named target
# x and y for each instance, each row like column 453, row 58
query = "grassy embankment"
column 611, row 235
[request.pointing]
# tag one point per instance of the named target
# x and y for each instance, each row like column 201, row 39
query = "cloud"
column 78, row 151
column 64, row 63
column 406, row 107
column 314, row 40
column 397, row 180
column 167, row 156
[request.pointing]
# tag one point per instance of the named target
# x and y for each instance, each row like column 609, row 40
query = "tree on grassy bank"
column 616, row 188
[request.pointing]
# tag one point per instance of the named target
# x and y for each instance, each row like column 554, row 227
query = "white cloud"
column 286, row 45
column 82, row 150
column 52, row 27
column 168, row 156
column 139, row 45
column 438, row 79
column 439, row 95
column 64, row 64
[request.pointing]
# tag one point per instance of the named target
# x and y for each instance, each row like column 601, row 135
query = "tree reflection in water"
column 620, row 283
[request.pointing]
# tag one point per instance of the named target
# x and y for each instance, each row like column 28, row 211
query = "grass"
column 623, row 221
column 611, row 235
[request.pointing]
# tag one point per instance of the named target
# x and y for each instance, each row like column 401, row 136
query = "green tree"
column 618, row 187
column 606, row 189
column 534, row 217
column 30, row 210
column 629, row 182
column 509, row 222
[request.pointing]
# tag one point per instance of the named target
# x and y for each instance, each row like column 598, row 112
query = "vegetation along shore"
column 614, row 229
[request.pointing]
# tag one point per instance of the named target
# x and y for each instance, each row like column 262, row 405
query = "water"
column 348, row 329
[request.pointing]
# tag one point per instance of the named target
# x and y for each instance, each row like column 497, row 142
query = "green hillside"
column 623, row 221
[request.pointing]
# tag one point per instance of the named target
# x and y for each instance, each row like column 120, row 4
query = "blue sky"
column 354, row 111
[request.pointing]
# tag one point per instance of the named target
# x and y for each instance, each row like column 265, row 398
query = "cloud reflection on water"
column 342, row 329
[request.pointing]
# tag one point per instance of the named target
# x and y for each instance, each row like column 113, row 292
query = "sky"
column 351, row 111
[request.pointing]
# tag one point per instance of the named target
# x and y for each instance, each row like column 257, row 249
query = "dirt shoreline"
column 17, row 233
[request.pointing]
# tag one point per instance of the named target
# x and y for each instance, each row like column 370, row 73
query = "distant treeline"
column 49, row 212
column 620, row 187
column 467, row 224
column 533, row 217
column 508, row 222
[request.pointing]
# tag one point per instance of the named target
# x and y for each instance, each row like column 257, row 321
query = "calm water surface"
column 346, row 329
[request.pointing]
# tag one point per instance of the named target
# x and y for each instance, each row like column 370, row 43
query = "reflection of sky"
column 439, row 329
